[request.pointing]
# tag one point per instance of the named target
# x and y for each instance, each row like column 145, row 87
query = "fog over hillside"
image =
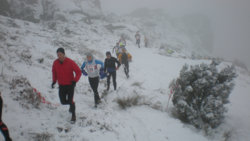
column 230, row 20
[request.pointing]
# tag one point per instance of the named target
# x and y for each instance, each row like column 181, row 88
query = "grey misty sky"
column 126, row 6
column 231, row 20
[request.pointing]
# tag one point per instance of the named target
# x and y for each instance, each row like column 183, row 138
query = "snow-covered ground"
column 23, row 44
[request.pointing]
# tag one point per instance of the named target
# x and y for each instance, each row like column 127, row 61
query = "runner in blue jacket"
column 90, row 68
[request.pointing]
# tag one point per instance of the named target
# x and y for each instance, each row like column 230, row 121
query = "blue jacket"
column 91, row 67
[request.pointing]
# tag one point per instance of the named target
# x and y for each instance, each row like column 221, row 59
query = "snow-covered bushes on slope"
column 42, row 137
column 4, row 8
column 200, row 93
column 138, row 100
column 24, row 93
column 128, row 101
column 48, row 10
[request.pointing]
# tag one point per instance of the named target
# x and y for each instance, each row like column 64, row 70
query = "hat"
column 89, row 54
column 108, row 53
column 60, row 50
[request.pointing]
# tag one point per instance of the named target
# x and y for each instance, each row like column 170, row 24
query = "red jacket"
column 65, row 72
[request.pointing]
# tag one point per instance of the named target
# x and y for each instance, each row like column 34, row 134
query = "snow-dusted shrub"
column 40, row 60
column 42, row 136
column 227, row 135
column 200, row 93
column 2, row 36
column 112, row 28
column 137, row 84
column 24, row 93
column 129, row 101
column 26, row 56
column 156, row 105
column 4, row 8
column 48, row 10
column 137, row 100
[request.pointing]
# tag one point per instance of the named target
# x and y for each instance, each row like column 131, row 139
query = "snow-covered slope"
column 47, row 10
column 27, row 50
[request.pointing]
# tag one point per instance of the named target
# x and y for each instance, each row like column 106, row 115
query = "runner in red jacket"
column 66, row 72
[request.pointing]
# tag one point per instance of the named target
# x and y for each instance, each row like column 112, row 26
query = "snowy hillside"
column 27, row 51
column 47, row 10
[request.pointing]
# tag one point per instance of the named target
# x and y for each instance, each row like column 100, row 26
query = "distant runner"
column 124, row 59
column 138, row 38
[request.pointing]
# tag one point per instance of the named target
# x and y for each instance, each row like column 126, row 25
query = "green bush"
column 200, row 93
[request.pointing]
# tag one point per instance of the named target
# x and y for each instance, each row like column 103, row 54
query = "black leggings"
column 94, row 82
column 3, row 127
column 138, row 42
column 126, row 69
column 66, row 95
column 113, row 74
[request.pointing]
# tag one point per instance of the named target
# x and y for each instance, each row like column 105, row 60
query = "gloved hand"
column 53, row 85
column 73, row 83
column 102, row 73
column 84, row 73
column 101, row 69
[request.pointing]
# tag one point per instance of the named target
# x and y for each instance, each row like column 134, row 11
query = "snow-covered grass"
column 150, row 75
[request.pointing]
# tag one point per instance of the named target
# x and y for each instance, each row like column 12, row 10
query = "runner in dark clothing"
column 67, row 73
column 110, row 68
column 138, row 38
column 3, row 127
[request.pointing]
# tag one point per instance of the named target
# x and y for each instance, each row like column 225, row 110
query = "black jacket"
column 109, row 64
